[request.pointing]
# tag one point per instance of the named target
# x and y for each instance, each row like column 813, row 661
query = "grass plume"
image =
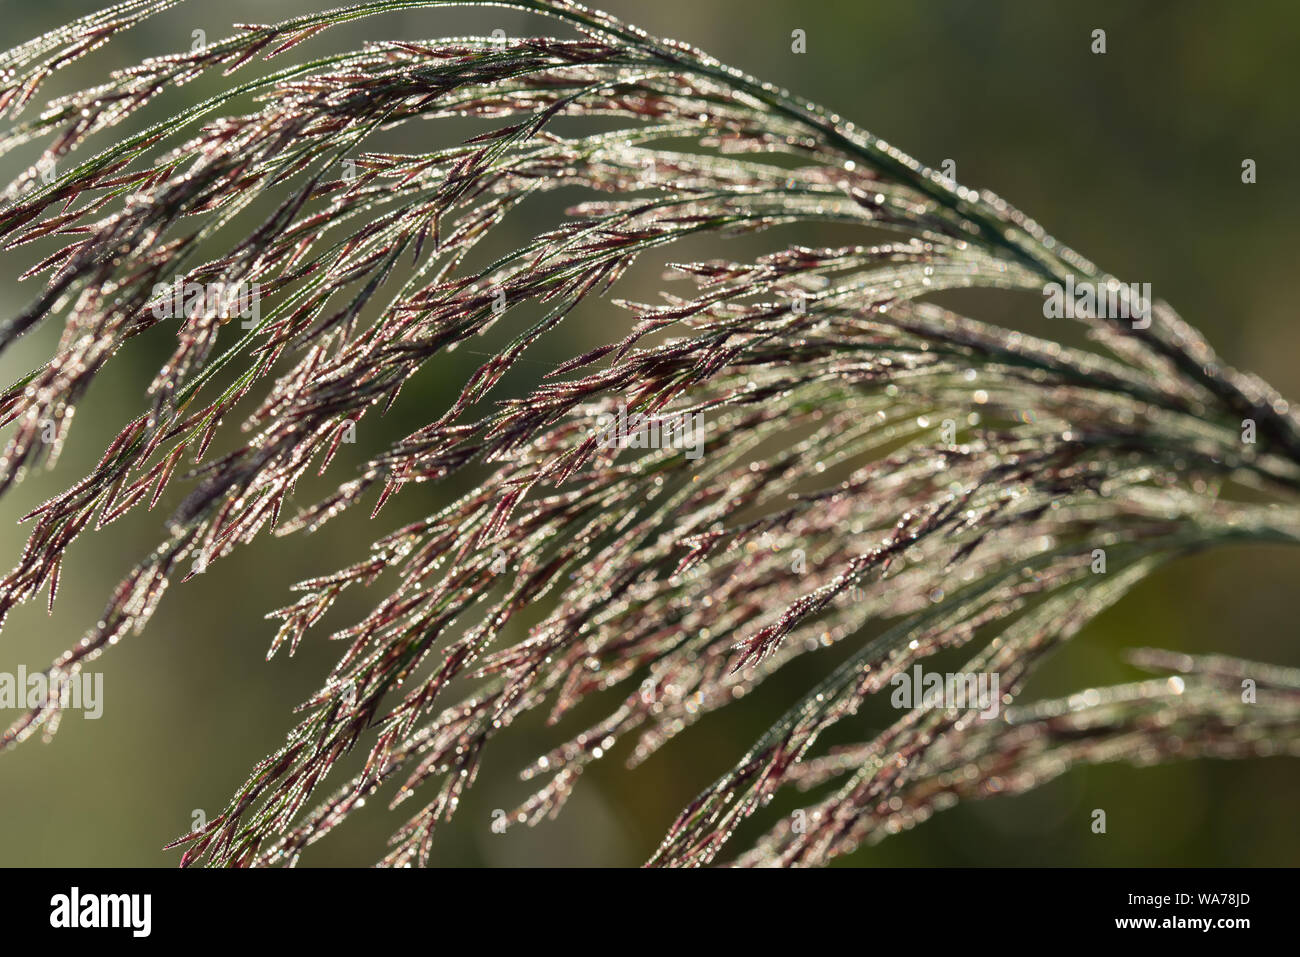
column 829, row 502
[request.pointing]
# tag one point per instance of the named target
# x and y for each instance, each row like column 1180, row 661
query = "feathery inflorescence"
column 876, row 470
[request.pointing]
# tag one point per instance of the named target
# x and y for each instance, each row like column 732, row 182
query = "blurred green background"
column 1132, row 157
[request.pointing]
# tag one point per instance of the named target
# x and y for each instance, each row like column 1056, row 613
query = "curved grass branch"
column 873, row 469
